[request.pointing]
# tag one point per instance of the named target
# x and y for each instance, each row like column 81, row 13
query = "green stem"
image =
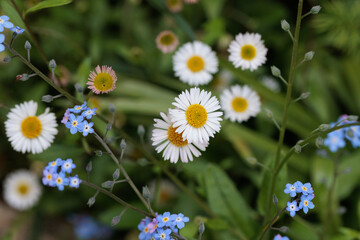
column 117, row 199
column 308, row 140
column 122, row 169
column 37, row 44
column 272, row 222
column 286, row 109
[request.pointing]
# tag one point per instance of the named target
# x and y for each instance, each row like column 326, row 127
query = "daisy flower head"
column 28, row 132
column 174, row 5
column 102, row 80
column 240, row 103
column 166, row 41
column 196, row 115
column 194, row 63
column 165, row 137
column 247, row 51
column 21, row 189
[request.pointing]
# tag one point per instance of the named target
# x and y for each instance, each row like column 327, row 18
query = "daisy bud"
column 27, row 45
column 7, row 59
column 319, row 142
column 315, row 9
column 309, row 55
column 275, row 71
column 352, row 118
column 324, row 127
column 284, row 229
column 52, row 64
column 201, row 228
column 115, row 220
column 285, row 25
column 297, row 148
column 47, row 98
column 304, row 95
column 146, row 192
column 116, row 174
column 112, row 107
column 79, row 88
column 123, row 144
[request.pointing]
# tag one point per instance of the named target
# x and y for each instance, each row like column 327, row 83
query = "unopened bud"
column 146, row 192
column 275, row 200
column 202, row 228
column 52, row 64
column 319, row 142
column 324, row 127
column 309, row 55
column 297, row 148
column 91, row 201
column 304, row 95
column 79, row 88
column 7, row 59
column 123, row 144
column 98, row 153
column 285, row 25
column 251, row 160
column 27, row 45
column 108, row 126
column 116, row 174
column 352, row 118
column 269, row 113
column 115, row 220
column 89, row 167
column 350, row 133
column 284, row 229
column 141, row 130
column 107, row 184
column 275, row 71
column 47, row 98
column 23, row 77
column 315, row 9
column 112, row 107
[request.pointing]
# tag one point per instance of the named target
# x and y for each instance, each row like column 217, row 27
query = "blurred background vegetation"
column 122, row 34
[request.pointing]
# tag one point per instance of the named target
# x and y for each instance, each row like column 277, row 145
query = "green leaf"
column 216, row 224
column 11, row 12
column 48, row 4
column 225, row 201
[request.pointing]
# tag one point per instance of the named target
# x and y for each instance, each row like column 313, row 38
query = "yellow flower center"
column 103, row 82
column 176, row 138
column 59, row 180
column 78, row 108
column 1, row 21
column 31, row 127
column 74, row 123
column 49, row 176
column 23, row 189
column 306, row 203
column 196, row 115
column 248, row 52
column 165, row 219
column 239, row 104
column 304, row 188
column 146, row 230
column 163, row 236
column 167, row 39
column 53, row 163
column 196, row 64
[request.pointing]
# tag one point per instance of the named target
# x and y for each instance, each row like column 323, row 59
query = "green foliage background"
column 85, row 33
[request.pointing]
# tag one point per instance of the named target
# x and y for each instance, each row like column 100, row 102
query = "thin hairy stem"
column 286, row 108
column 117, row 199
column 272, row 222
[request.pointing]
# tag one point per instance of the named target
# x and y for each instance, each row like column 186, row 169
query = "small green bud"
column 319, row 142
column 309, row 55
column 284, row 229
column 107, row 184
column 115, row 220
column 275, row 71
column 352, row 118
column 108, row 126
column 324, row 127
column 304, row 95
column 47, row 98
column 7, row 59
column 91, row 201
column 52, row 64
column 89, row 167
column 275, row 200
column 146, row 192
column 315, row 9
column 98, row 153
column 123, row 144
column 269, row 113
column 27, row 45
column 201, row 228
column 285, row 25
column 112, row 107
column 297, row 148
column 78, row 88
column 141, row 130
column 251, row 160
column 116, row 174
column 23, row 77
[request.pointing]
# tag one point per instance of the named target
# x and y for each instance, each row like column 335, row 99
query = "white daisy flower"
column 164, row 136
column 22, row 189
column 240, row 103
column 28, row 132
column 194, row 63
column 196, row 116
column 247, row 51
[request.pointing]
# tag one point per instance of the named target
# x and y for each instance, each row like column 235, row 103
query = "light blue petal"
column 1, row 28
column 2, row 48
column 8, row 25
column 2, row 38
column 4, row 17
